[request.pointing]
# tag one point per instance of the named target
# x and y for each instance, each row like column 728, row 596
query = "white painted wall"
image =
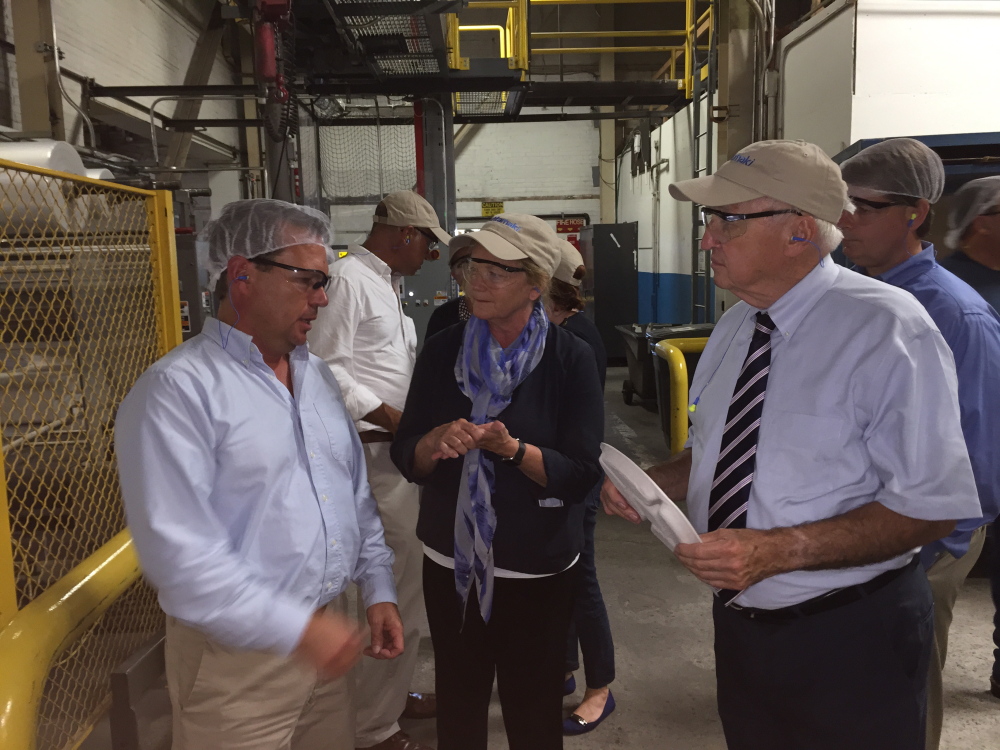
column 886, row 68
column 926, row 67
column 538, row 168
column 817, row 81
column 119, row 42
column 671, row 219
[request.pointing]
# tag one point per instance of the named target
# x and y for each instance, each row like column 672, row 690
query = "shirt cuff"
column 378, row 586
column 363, row 402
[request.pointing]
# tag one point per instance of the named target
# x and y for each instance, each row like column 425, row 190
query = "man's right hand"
column 615, row 504
column 331, row 644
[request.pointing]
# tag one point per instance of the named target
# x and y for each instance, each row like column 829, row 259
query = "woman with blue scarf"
column 502, row 428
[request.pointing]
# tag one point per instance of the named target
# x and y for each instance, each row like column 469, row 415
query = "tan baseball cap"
column 794, row 172
column 515, row 237
column 405, row 208
column 569, row 261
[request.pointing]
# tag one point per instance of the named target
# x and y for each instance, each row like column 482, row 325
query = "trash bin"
column 661, row 372
column 641, row 380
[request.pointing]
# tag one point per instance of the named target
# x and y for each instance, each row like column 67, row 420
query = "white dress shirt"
column 364, row 336
column 249, row 507
column 861, row 406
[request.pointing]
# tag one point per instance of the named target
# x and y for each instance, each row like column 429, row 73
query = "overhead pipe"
column 152, row 114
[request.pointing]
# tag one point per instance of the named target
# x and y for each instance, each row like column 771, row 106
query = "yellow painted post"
column 50, row 624
column 8, row 583
column 165, row 285
column 672, row 351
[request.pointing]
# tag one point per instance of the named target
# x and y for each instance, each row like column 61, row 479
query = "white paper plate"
column 669, row 524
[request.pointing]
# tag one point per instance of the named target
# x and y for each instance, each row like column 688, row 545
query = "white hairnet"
column 973, row 199
column 258, row 226
column 900, row 166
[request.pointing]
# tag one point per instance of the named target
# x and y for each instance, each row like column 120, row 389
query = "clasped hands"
column 457, row 438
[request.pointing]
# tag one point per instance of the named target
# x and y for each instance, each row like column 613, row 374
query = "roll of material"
column 32, row 204
column 100, row 174
column 56, row 155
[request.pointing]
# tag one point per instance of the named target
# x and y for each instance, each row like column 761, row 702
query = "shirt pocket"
column 337, row 428
column 800, row 456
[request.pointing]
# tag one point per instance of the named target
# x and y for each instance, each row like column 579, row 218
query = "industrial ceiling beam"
column 600, row 50
column 37, row 68
column 604, row 34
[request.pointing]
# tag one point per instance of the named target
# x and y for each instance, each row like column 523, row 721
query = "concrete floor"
column 660, row 616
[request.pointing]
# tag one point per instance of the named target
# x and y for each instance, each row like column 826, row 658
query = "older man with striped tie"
column 826, row 448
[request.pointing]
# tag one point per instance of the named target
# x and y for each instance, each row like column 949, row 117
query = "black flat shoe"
column 575, row 725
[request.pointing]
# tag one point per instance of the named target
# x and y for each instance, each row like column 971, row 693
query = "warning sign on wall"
column 492, row 208
column 569, row 226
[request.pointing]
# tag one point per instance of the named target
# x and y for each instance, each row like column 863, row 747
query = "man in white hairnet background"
column 247, row 498
column 893, row 184
column 974, row 229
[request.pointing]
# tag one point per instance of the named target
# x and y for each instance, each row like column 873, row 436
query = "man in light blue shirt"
column 247, row 498
column 810, row 473
column 894, row 184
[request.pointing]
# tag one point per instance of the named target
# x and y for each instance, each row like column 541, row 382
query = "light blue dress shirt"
column 249, row 507
column 861, row 406
column 972, row 329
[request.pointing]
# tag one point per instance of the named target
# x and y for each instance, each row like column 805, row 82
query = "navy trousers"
column 851, row 677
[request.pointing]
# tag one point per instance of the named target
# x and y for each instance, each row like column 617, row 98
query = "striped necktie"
column 738, row 451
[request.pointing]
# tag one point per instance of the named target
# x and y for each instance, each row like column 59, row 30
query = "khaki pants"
column 946, row 577
column 382, row 686
column 227, row 699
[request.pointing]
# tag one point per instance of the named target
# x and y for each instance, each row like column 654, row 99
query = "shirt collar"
column 371, row 260
column 796, row 303
column 911, row 268
column 240, row 346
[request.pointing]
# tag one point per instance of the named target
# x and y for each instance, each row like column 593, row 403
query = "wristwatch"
column 516, row 459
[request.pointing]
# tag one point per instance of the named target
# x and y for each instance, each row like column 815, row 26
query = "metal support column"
column 702, row 159
column 37, row 71
column 423, row 292
column 606, row 170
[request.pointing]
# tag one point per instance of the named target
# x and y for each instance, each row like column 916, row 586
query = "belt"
column 826, row 602
column 375, row 436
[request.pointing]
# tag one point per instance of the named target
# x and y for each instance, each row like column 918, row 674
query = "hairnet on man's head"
column 249, row 228
column 973, row 199
column 899, row 166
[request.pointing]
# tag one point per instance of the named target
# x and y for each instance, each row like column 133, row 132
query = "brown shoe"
column 420, row 706
column 398, row 741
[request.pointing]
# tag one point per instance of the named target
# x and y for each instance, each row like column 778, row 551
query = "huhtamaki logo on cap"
column 741, row 159
column 507, row 223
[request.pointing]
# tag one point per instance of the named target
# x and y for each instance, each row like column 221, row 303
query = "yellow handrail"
column 672, row 351
column 48, row 625
column 501, row 31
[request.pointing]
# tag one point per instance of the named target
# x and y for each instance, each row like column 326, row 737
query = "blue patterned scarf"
column 488, row 375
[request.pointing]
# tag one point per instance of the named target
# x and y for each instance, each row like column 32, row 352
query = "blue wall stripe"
column 664, row 298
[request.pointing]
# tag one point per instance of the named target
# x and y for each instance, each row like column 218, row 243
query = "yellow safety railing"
column 513, row 35
column 672, row 351
column 697, row 26
column 88, row 300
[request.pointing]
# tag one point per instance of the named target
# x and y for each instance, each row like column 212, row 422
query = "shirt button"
column 324, row 498
column 333, row 542
column 329, row 586
column 312, row 455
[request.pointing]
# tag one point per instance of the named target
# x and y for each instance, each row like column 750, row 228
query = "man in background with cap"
column 246, row 494
column 370, row 346
column 974, row 229
column 808, row 470
column 894, row 184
